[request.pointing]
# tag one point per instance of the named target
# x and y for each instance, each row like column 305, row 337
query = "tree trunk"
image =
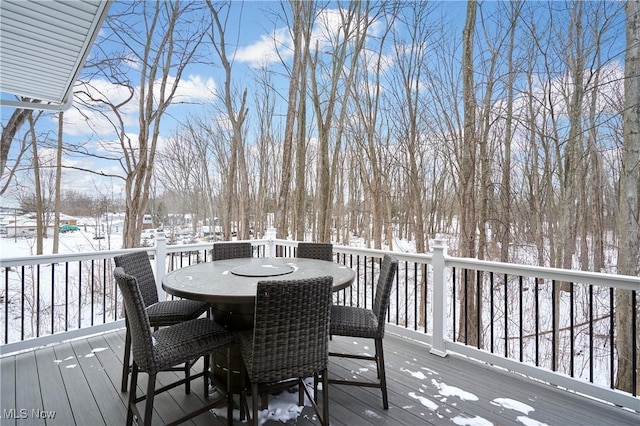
column 628, row 225
column 282, row 203
column 38, row 188
column 56, row 212
column 466, row 195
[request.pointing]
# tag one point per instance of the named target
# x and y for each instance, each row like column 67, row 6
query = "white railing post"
column 271, row 236
column 439, row 297
column 161, row 259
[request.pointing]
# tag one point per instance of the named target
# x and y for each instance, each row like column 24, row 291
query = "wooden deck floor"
column 79, row 383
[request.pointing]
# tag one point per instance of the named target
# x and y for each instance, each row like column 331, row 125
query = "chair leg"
column 229, row 389
column 126, row 361
column 187, row 376
column 264, row 401
column 301, row 387
column 254, row 399
column 381, row 373
column 132, row 394
column 244, row 407
column 205, row 377
column 325, row 396
column 151, row 393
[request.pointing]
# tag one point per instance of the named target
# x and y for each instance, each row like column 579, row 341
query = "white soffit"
column 43, row 47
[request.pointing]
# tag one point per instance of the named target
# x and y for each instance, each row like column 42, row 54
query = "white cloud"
column 278, row 45
column 193, row 89
column 269, row 49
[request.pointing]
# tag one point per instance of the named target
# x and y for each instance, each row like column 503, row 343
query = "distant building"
column 19, row 228
column 26, row 225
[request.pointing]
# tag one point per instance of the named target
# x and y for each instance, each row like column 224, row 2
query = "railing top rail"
column 65, row 257
column 362, row 251
column 584, row 277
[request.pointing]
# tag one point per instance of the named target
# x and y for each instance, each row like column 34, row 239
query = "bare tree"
column 300, row 30
column 629, row 224
column 467, row 192
column 10, row 131
column 330, row 83
column 163, row 45
column 58, row 183
column 367, row 133
column 40, row 223
column 237, row 178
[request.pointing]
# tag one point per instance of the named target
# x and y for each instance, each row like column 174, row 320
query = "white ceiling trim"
column 43, row 46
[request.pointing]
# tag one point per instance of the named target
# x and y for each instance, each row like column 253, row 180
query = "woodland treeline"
column 514, row 133
column 376, row 141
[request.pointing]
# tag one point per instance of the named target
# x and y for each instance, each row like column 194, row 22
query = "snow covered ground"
column 70, row 242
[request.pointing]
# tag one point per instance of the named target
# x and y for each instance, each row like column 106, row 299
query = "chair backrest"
column 322, row 251
column 222, row 251
column 291, row 329
column 139, row 326
column 383, row 290
column 138, row 264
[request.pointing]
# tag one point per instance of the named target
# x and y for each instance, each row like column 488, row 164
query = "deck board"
column 423, row 389
column 29, row 397
column 83, row 404
column 7, row 387
column 50, row 378
column 101, row 387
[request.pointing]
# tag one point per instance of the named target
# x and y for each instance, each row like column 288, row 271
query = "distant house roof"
column 44, row 46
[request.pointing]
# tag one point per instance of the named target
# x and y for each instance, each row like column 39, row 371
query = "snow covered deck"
column 78, row 383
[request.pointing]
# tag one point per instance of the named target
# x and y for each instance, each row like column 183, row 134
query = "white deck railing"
column 549, row 324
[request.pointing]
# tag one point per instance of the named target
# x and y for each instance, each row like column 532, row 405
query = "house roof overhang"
column 43, row 47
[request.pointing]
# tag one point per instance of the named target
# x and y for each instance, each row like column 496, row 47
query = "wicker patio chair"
column 222, row 251
column 322, row 251
column 161, row 313
column 156, row 351
column 289, row 341
column 368, row 323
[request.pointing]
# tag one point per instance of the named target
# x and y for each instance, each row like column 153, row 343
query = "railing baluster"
column 506, row 317
column 79, row 294
column 22, row 306
column 416, row 294
column 554, row 327
column 425, row 280
column 6, row 305
column 521, row 318
column 591, row 342
column 406, row 299
column 37, row 296
column 537, row 320
column 454, row 305
column 478, row 308
column 93, row 280
column 53, row 293
column 571, row 331
column 634, row 343
column 66, row 296
column 466, row 306
column 104, row 291
column 611, row 339
column 491, row 311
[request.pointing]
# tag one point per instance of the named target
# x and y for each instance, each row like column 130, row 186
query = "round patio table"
column 230, row 285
